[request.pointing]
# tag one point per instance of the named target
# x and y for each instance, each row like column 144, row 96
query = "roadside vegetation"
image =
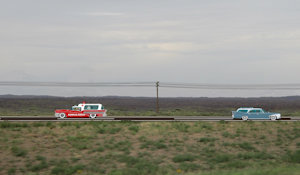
column 129, row 148
column 140, row 106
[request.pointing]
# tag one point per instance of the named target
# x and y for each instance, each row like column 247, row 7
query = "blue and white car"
column 254, row 113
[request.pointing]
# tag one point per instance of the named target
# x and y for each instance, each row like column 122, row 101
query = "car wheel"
column 93, row 115
column 244, row 118
column 62, row 115
column 273, row 117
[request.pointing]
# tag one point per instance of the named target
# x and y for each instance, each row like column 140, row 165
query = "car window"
column 242, row 110
column 76, row 108
column 256, row 111
column 91, row 107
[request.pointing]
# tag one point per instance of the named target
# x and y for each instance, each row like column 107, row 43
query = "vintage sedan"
column 254, row 113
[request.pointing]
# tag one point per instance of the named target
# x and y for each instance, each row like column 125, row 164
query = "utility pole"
column 157, row 100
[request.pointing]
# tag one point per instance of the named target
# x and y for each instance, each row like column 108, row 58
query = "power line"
column 78, row 84
column 154, row 84
column 233, row 86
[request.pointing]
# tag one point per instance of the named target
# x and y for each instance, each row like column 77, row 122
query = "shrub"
column 42, row 164
column 189, row 166
column 11, row 171
column 65, row 123
column 6, row 124
column 246, row 146
column 294, row 157
column 263, row 137
column 136, row 166
column 123, row 146
column 207, row 139
column 114, row 130
column 206, row 125
column 236, row 164
column 129, row 160
column 255, row 155
column 208, row 151
column 66, row 170
column 38, row 124
column 153, row 144
column 219, row 158
column 222, row 122
column 134, row 128
column 226, row 134
column 19, row 152
column 80, row 141
column 49, row 124
column 108, row 130
column 100, row 149
column 183, row 158
column 180, row 126
column 63, row 167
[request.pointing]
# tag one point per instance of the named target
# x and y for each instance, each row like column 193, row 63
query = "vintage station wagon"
column 83, row 110
column 254, row 113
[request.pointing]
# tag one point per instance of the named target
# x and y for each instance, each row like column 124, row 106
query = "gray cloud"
column 184, row 41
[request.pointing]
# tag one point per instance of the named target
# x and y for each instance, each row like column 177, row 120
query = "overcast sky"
column 199, row 41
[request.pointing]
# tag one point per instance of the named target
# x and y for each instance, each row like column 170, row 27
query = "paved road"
column 134, row 118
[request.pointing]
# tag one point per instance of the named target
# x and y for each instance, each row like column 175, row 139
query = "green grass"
column 189, row 166
column 254, row 156
column 183, row 158
column 220, row 158
column 42, row 164
column 294, row 157
column 134, row 128
column 247, row 146
column 149, row 148
column 153, row 144
column 63, row 167
column 19, row 152
column 207, row 139
column 277, row 170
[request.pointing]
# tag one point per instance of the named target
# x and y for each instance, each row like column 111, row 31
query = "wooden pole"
column 157, row 99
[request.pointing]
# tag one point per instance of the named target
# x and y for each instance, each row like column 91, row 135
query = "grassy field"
column 121, row 148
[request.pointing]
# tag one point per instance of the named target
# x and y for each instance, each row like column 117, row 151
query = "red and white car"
column 82, row 110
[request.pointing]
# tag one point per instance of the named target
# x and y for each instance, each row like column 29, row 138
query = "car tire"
column 62, row 115
column 93, row 115
column 245, row 118
column 273, row 117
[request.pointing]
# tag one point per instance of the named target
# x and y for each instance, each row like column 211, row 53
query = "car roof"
column 247, row 108
column 90, row 104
